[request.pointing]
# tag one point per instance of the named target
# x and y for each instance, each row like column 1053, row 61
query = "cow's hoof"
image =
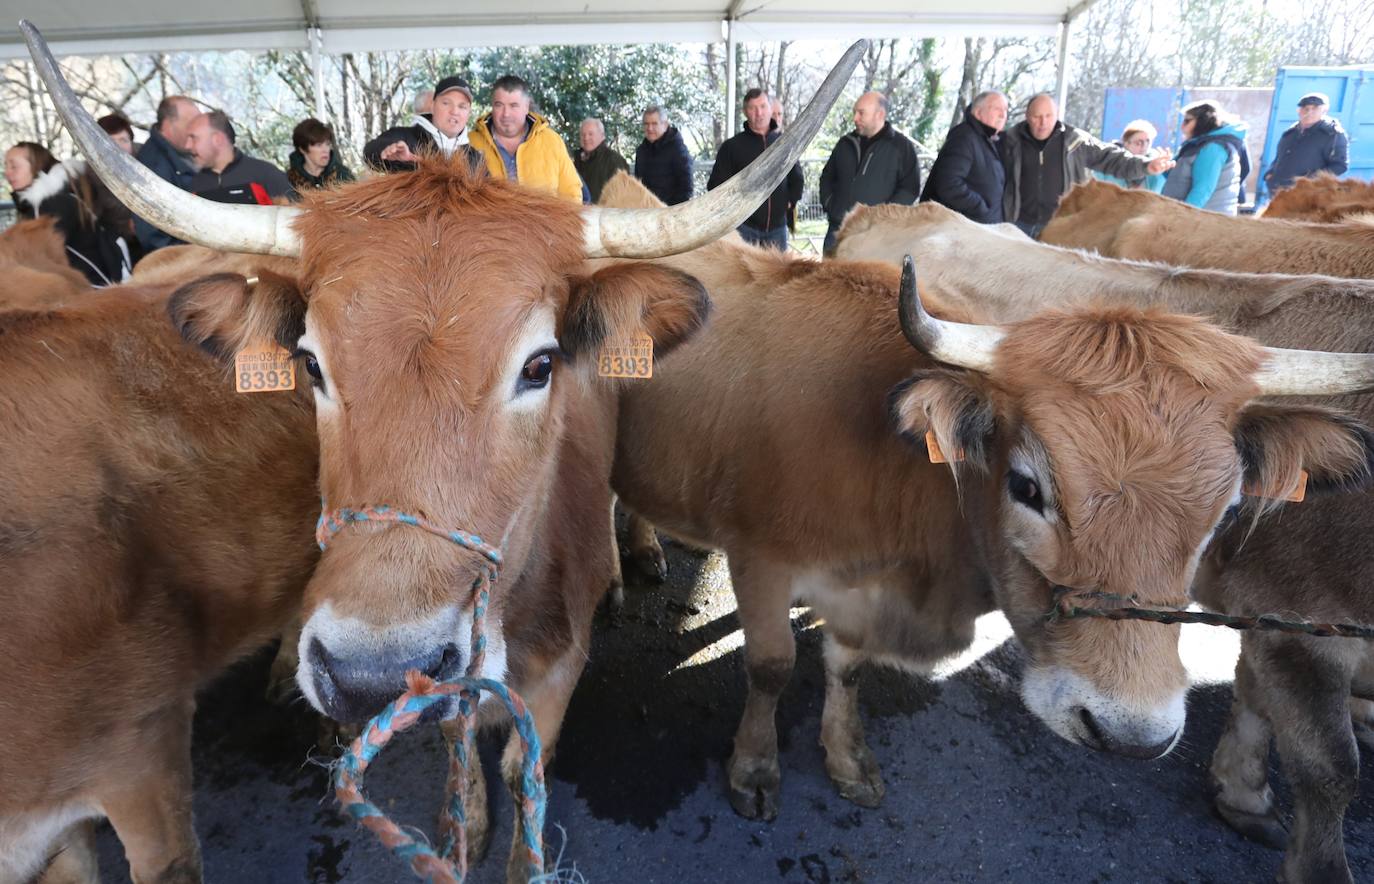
column 1264, row 828
column 650, row 563
column 614, row 603
column 865, row 792
column 754, row 788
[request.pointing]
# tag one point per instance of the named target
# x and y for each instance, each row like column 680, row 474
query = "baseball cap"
column 455, row 82
column 1309, row 98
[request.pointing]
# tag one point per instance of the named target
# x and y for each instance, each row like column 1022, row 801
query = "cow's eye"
column 536, row 371
column 312, row 366
column 1025, row 491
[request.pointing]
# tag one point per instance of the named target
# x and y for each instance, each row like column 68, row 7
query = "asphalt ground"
column 977, row 788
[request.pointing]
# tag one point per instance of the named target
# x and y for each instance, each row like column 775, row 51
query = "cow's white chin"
column 356, row 640
column 1074, row 709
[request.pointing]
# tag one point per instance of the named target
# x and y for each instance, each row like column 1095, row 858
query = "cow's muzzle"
column 1093, row 736
column 352, row 689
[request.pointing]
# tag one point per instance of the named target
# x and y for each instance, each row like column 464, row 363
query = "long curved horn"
column 653, row 233
column 953, row 343
column 1314, row 373
column 264, row 230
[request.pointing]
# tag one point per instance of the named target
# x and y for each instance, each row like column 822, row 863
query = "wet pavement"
column 977, row 788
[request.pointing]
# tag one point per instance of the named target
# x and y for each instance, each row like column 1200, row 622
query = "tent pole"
column 731, row 87
column 1061, row 89
column 317, row 70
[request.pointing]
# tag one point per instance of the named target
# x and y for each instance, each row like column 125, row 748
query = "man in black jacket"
column 768, row 225
column 873, row 164
column 662, row 162
column 1313, row 144
column 227, row 174
column 165, row 153
column 967, row 175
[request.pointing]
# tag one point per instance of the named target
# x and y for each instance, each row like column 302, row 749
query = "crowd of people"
column 985, row 172
column 1018, row 176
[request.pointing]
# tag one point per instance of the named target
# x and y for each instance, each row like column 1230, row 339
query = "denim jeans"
column 775, row 238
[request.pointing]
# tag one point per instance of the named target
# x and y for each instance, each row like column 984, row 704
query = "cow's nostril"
column 1094, row 733
column 319, row 658
column 448, row 664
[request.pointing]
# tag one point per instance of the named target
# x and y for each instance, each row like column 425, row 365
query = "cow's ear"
column 1277, row 442
column 619, row 303
column 956, row 407
column 225, row 312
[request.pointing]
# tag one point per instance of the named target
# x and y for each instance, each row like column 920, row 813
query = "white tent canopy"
column 80, row 27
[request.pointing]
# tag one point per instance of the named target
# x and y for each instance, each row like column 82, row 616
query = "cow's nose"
column 1103, row 740
column 352, row 689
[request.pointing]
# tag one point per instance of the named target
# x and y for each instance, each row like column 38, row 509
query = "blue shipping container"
column 1351, row 91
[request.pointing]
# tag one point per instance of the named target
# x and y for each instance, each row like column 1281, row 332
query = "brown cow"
column 191, row 507
column 1313, row 562
column 1101, row 450
column 34, row 268
column 1324, row 198
column 1143, row 226
column 450, row 329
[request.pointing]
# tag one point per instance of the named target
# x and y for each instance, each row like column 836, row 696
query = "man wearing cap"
column 519, row 145
column 442, row 131
column 1313, row 144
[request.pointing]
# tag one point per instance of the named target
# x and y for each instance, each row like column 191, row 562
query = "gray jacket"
column 1082, row 153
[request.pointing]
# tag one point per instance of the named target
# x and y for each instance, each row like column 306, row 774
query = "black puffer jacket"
column 741, row 150
column 967, row 175
column 665, row 167
column 888, row 173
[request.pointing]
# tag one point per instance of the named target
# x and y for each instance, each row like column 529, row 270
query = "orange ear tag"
column 1297, row 496
column 627, row 360
column 936, row 455
column 265, row 367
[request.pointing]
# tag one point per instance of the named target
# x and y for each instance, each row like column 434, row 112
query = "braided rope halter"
column 1110, row 606
column 456, row 699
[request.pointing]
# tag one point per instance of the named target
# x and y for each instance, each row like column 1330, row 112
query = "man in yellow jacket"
column 520, row 145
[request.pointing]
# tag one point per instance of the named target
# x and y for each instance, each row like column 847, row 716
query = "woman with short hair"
column 314, row 163
column 1138, row 138
column 120, row 130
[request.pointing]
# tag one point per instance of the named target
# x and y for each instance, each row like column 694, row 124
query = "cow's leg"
column 1307, row 692
column 848, row 760
column 151, row 811
column 762, row 596
column 645, row 551
column 76, row 861
column 1240, row 765
column 547, row 701
column 615, row 598
column 476, row 810
column 281, row 678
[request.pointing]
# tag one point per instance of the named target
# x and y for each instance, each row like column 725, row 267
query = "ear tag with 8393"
column 633, row 359
column 265, row 367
